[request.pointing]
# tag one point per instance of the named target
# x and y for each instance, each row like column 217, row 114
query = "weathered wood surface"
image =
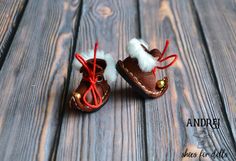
column 116, row 131
column 36, row 80
column 192, row 92
column 10, row 14
column 218, row 21
column 33, row 79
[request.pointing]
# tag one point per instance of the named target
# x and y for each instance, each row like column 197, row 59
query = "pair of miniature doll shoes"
column 138, row 69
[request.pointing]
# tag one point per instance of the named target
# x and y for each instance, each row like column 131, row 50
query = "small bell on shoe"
column 99, row 73
column 139, row 68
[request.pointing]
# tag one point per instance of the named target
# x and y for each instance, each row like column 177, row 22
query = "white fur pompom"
column 110, row 73
column 146, row 61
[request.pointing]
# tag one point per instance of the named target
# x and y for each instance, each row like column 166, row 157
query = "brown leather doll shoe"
column 99, row 72
column 139, row 69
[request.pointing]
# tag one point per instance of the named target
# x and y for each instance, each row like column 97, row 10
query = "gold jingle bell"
column 160, row 84
column 76, row 95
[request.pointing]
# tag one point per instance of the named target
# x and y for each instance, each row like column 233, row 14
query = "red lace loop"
column 91, row 79
column 161, row 59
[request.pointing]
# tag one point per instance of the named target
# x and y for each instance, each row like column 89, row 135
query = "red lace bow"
column 92, row 79
column 161, row 59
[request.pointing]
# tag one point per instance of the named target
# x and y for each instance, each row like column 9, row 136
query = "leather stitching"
column 142, row 86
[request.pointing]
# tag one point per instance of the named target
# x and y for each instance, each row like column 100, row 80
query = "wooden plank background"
column 192, row 92
column 38, row 39
column 33, row 79
column 221, row 19
column 10, row 15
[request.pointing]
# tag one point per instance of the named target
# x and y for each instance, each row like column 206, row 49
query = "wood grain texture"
column 10, row 14
column 218, row 21
column 192, row 92
column 33, row 79
column 115, row 132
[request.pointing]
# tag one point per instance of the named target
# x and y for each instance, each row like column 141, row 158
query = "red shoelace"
column 161, row 59
column 92, row 79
